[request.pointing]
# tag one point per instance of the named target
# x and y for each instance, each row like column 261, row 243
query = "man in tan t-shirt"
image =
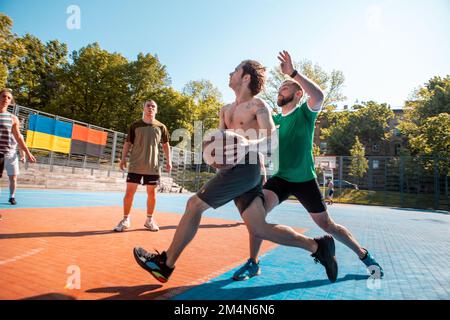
column 144, row 137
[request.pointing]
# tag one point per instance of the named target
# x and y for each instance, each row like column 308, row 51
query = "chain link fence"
column 410, row 182
column 184, row 172
column 413, row 182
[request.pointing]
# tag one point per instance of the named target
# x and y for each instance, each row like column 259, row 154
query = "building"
column 390, row 147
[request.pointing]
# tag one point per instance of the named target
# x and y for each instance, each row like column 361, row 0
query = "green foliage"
column 369, row 121
column 426, row 123
column 208, row 101
column 359, row 163
column 331, row 83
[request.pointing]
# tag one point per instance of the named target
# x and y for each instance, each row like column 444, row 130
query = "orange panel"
column 36, row 257
column 80, row 133
column 97, row 137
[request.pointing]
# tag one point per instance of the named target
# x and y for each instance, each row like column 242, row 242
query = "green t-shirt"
column 295, row 145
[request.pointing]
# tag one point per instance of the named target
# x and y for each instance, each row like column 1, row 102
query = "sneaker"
column 371, row 263
column 12, row 201
column 247, row 271
column 154, row 263
column 123, row 225
column 151, row 225
column 325, row 254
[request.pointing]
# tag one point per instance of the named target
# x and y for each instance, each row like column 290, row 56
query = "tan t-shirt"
column 145, row 139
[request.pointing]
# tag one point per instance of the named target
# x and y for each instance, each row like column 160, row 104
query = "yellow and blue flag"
column 49, row 134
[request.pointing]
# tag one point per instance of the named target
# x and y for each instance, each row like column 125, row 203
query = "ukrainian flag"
column 49, row 134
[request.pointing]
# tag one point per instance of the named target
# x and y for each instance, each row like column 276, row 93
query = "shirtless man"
column 241, row 183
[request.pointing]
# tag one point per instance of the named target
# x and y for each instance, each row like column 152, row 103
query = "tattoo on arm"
column 262, row 111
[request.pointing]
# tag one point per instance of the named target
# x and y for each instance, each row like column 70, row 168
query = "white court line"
column 25, row 255
column 71, row 198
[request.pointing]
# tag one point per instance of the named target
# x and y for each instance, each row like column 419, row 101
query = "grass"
column 389, row 198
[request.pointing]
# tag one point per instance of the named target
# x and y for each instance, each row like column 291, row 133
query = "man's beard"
column 285, row 101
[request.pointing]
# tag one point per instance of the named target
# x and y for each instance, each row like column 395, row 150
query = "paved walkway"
column 51, row 230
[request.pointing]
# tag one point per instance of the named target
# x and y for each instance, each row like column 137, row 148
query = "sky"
column 385, row 48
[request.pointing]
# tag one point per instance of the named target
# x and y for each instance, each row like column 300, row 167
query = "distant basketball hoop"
column 325, row 162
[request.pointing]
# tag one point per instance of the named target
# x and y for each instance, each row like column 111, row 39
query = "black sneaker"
column 12, row 201
column 325, row 255
column 154, row 263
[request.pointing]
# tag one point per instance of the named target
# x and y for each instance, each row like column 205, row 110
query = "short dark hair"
column 294, row 84
column 257, row 75
column 9, row 91
column 150, row 101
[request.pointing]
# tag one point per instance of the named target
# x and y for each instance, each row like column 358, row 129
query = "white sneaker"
column 123, row 225
column 151, row 225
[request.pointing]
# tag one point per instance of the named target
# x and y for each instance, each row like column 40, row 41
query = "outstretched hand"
column 287, row 67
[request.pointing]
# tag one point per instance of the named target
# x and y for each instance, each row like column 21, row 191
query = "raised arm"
column 314, row 92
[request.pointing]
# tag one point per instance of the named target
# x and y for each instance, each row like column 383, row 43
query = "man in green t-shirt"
column 296, row 174
column 144, row 137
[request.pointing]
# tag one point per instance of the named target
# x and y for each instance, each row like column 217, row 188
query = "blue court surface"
column 411, row 245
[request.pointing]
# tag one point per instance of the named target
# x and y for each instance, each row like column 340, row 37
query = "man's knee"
column 254, row 217
column 196, row 205
column 325, row 223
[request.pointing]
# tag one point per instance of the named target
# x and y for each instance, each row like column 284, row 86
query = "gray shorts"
column 12, row 164
column 241, row 183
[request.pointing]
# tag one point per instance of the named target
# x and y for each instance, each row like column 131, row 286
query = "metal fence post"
column 85, row 156
column 185, row 153
column 385, row 179
column 341, row 165
column 113, row 151
column 197, row 176
column 402, row 171
column 437, row 192
column 52, row 154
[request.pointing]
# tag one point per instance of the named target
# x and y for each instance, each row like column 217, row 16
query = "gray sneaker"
column 151, row 225
column 123, row 225
column 249, row 270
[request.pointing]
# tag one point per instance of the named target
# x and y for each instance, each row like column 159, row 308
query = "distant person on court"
column 330, row 191
column 296, row 173
column 144, row 138
column 10, row 139
column 240, row 182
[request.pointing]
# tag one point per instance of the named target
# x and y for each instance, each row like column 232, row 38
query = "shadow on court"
column 103, row 232
column 216, row 290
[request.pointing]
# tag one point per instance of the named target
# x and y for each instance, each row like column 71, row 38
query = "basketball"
column 213, row 146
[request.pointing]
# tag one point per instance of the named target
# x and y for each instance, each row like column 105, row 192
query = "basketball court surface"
column 58, row 244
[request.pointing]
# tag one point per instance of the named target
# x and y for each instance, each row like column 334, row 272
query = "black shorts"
column 144, row 179
column 307, row 193
column 330, row 193
column 2, row 164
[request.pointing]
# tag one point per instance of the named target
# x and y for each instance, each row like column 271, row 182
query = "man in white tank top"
column 10, row 137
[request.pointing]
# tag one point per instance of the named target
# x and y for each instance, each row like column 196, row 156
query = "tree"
column 33, row 76
column 331, row 83
column 208, row 102
column 146, row 77
column 369, row 121
column 175, row 109
column 426, row 123
column 94, row 86
column 10, row 48
column 359, row 163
